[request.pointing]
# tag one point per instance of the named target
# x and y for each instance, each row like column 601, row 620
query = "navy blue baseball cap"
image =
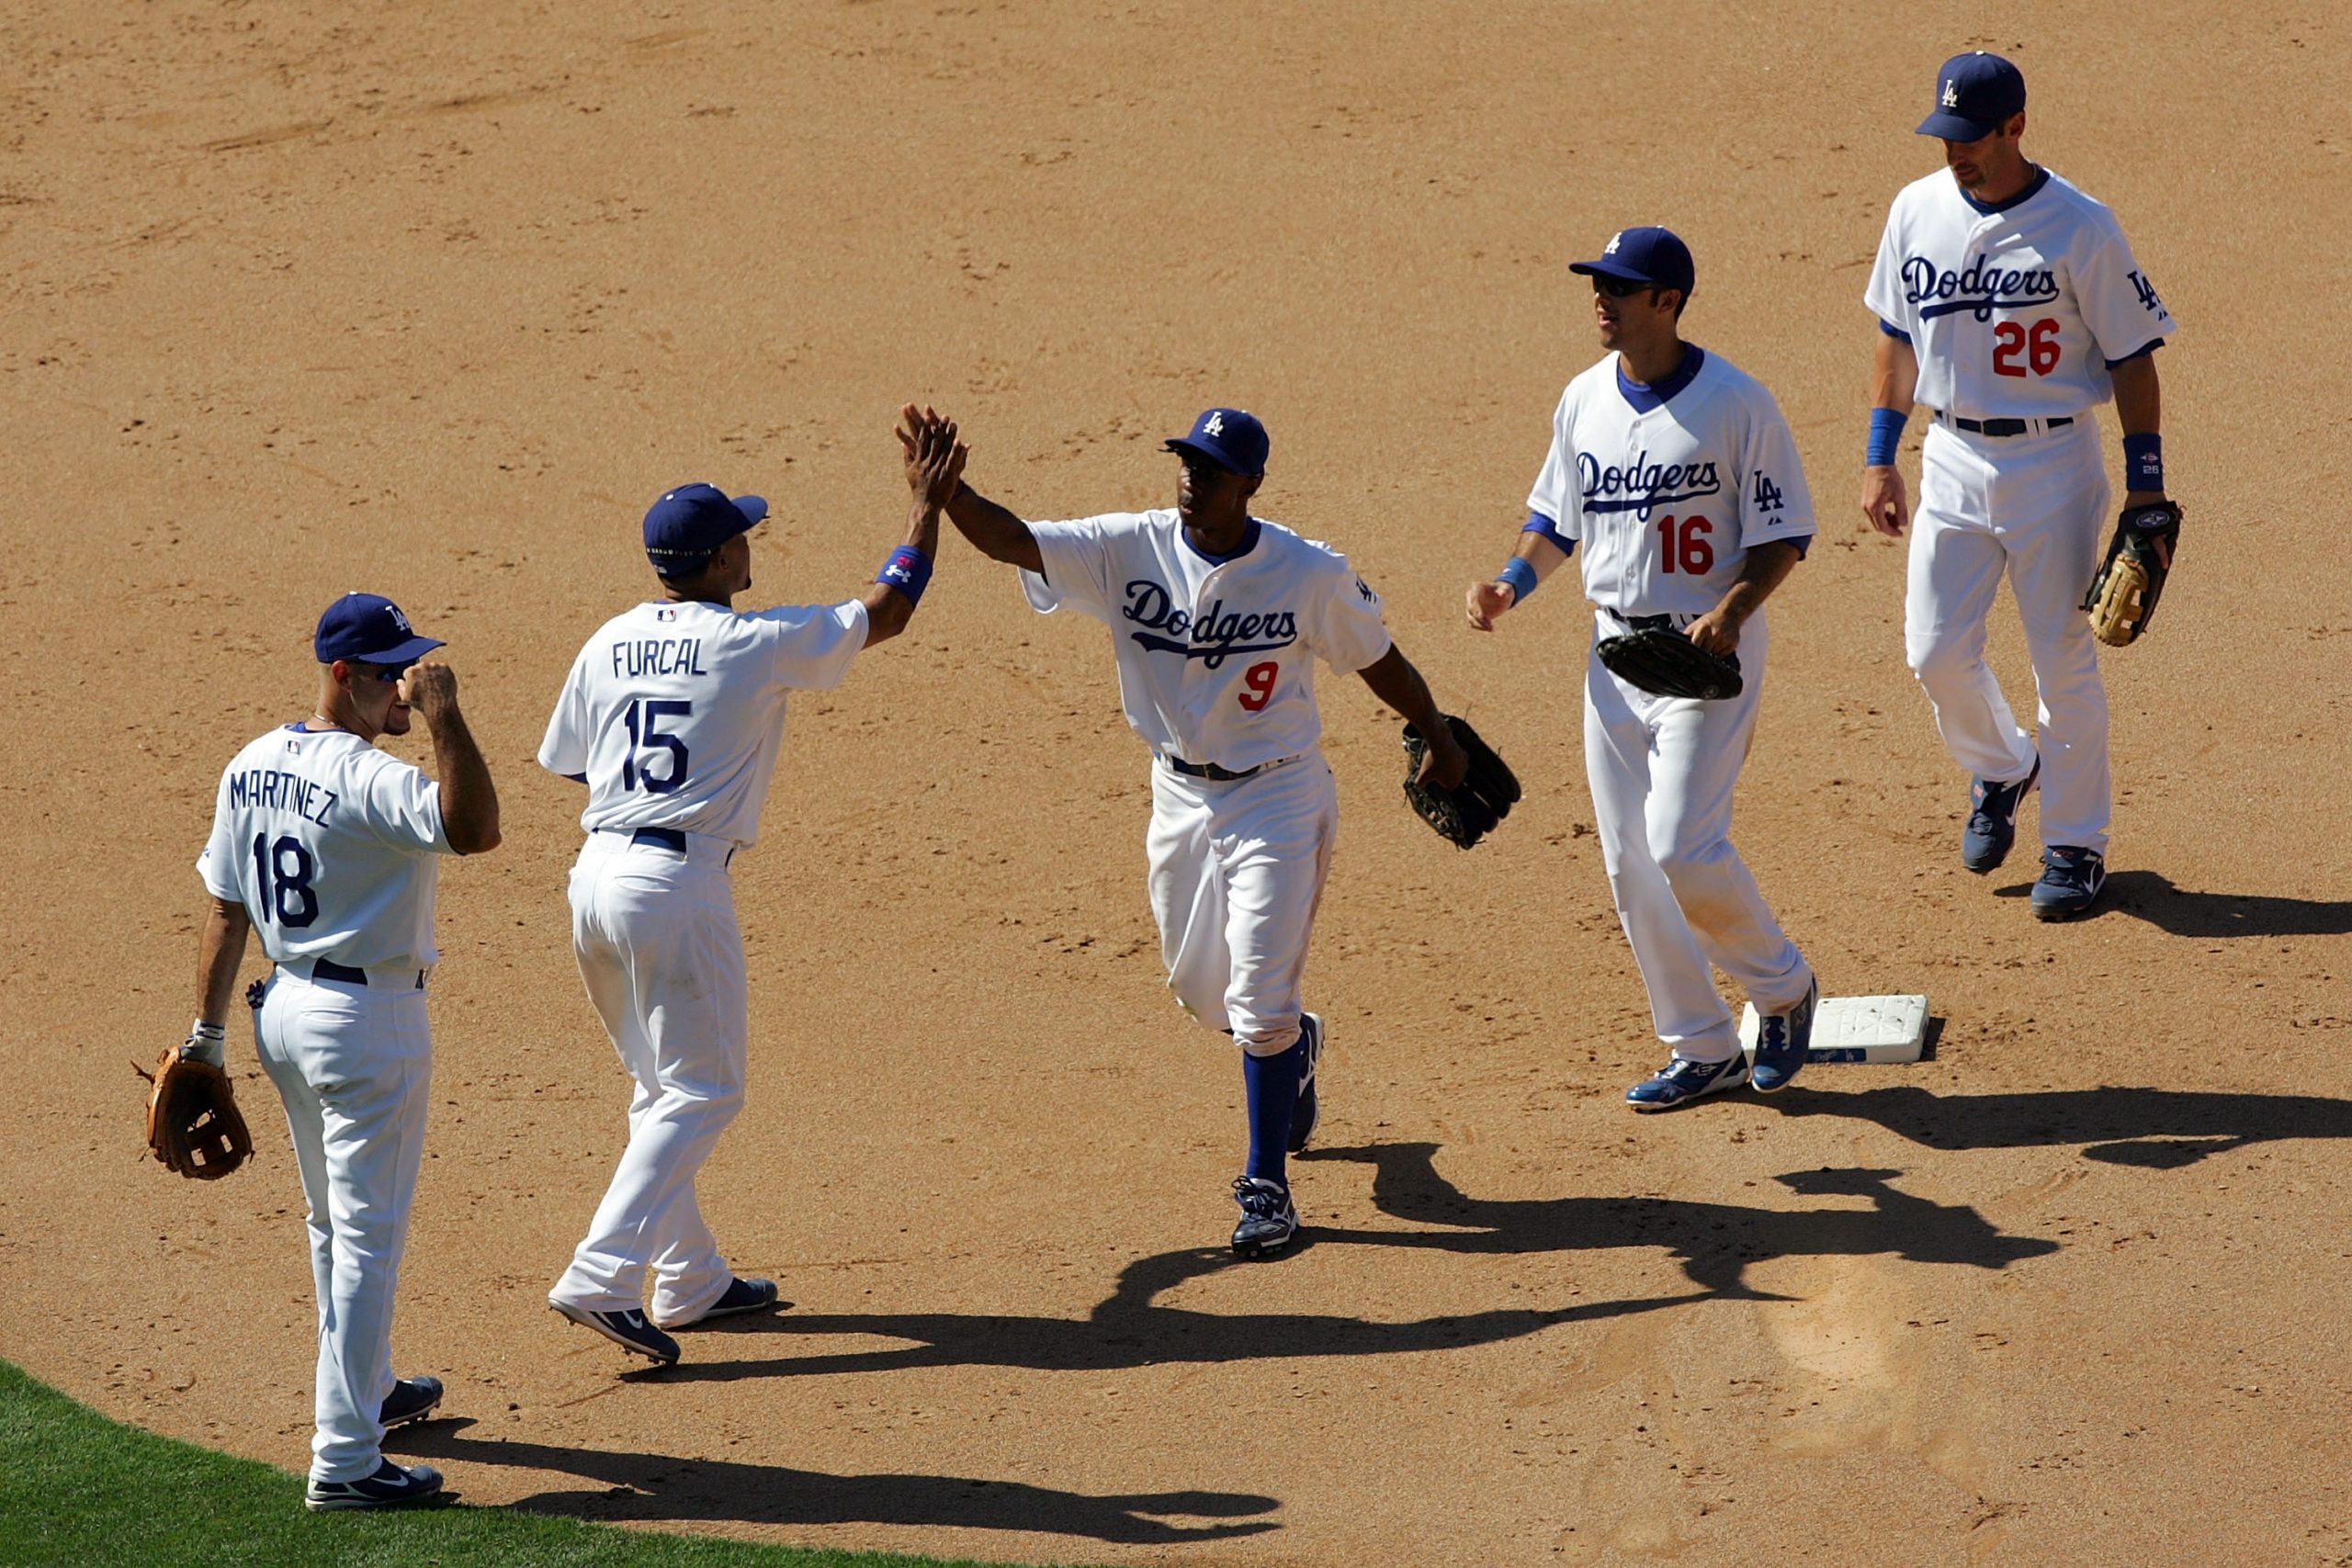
column 1231, row 438
column 1651, row 256
column 688, row 523
column 370, row 628
column 1975, row 96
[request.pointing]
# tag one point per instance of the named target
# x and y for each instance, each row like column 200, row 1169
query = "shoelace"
column 1258, row 1199
column 1773, row 1035
column 1683, row 1067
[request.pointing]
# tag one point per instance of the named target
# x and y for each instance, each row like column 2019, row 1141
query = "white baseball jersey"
column 673, row 712
column 1667, row 498
column 2017, row 312
column 329, row 844
column 1216, row 658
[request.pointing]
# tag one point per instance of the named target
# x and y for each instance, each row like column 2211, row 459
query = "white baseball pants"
column 1237, row 874
column 2034, row 506
column 354, row 1065
column 663, row 958
column 1662, row 771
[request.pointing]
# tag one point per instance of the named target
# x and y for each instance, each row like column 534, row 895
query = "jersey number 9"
column 1259, row 679
column 642, row 718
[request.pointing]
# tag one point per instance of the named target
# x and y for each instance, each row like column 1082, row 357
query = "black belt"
column 2006, row 426
column 328, row 969
column 1646, row 623
column 1212, row 772
column 660, row 838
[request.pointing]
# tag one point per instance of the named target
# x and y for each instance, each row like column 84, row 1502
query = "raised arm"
column 1895, row 382
column 469, row 800
column 934, row 468
column 994, row 531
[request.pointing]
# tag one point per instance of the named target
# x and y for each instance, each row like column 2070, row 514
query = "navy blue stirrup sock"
column 1272, row 1083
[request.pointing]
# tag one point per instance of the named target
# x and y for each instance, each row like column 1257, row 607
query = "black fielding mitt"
column 2123, row 595
column 1468, row 812
column 1667, row 664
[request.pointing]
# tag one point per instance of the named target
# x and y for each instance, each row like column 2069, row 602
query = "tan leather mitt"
column 193, row 1124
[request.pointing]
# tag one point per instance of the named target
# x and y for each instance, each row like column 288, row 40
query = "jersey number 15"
column 642, row 718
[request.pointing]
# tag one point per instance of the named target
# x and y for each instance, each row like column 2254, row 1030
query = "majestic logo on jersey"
column 1641, row 484
column 1212, row 637
column 1980, row 288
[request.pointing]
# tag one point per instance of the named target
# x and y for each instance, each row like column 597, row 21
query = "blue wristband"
column 2144, row 462
column 1886, row 435
column 1520, row 576
column 908, row 571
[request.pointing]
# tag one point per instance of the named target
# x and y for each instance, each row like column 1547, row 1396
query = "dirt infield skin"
column 432, row 301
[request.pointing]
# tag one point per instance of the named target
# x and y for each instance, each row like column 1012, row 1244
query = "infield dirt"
column 432, row 301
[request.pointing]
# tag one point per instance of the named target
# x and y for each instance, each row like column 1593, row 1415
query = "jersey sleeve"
column 564, row 749
column 399, row 805
column 1351, row 632
column 218, row 863
column 1078, row 560
column 811, row 645
column 2117, row 301
column 1774, row 500
column 1884, row 294
column 1556, row 494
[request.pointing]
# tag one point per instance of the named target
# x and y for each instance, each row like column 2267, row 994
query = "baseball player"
column 1217, row 618
column 2009, row 304
column 325, row 846
column 1677, row 474
column 672, row 715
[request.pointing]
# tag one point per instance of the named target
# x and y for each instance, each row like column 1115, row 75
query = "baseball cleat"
column 740, row 1296
column 629, row 1329
column 412, row 1399
column 2070, row 880
column 1680, row 1081
column 390, row 1487
column 1310, row 1108
column 1993, row 819
column 1781, row 1038
column 1268, row 1220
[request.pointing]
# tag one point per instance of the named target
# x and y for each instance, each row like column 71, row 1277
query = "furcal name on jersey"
column 658, row 656
column 270, row 789
column 1977, row 287
column 1213, row 635
column 1641, row 484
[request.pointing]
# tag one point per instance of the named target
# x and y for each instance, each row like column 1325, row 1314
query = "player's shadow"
column 1714, row 1243
column 2158, row 1129
column 2152, row 896
column 649, row 1487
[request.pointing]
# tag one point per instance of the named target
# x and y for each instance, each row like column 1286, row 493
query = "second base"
column 1859, row 1028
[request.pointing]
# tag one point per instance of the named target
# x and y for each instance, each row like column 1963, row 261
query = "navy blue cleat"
column 1268, row 1220
column 627, row 1330
column 412, row 1399
column 740, row 1296
column 391, row 1486
column 2070, row 880
column 1992, row 828
column 1782, row 1040
column 1310, row 1107
column 1681, row 1082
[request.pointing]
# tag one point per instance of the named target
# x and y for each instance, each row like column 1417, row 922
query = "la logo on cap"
column 1952, row 93
column 1612, row 249
column 1215, row 426
column 398, row 619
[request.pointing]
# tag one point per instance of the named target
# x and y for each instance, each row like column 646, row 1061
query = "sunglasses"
column 1620, row 287
column 384, row 673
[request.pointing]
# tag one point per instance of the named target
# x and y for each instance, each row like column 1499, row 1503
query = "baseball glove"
column 1468, row 812
column 1668, row 664
column 193, row 1124
column 2123, row 598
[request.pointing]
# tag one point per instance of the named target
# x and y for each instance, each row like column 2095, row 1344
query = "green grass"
column 79, row 1491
